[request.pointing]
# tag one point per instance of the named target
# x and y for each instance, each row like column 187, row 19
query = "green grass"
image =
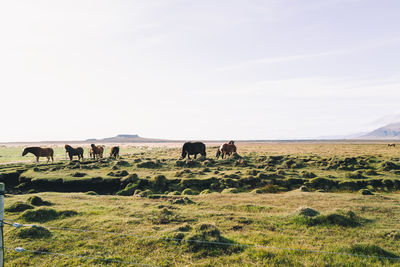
column 160, row 224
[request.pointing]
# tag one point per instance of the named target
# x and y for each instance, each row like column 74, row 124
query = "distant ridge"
column 127, row 138
column 387, row 132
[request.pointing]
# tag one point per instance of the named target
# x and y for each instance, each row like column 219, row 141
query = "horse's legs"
column 195, row 156
column 189, row 156
column 37, row 160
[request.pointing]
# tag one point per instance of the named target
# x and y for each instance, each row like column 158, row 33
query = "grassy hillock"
column 159, row 231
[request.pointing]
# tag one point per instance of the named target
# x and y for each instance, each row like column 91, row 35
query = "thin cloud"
column 292, row 58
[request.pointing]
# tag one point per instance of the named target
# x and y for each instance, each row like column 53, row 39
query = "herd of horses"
column 96, row 152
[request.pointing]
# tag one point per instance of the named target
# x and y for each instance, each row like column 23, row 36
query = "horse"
column 40, row 152
column 226, row 149
column 74, row 152
column 97, row 151
column 193, row 148
column 393, row 145
column 114, row 151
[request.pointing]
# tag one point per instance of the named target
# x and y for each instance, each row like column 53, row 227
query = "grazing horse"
column 97, row 151
column 226, row 149
column 393, row 145
column 39, row 152
column 114, row 151
column 193, row 148
column 74, row 152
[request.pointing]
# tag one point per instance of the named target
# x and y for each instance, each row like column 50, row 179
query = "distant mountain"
column 126, row 138
column 390, row 131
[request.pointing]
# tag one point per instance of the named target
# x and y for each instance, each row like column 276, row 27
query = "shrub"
column 18, row 207
column 33, row 232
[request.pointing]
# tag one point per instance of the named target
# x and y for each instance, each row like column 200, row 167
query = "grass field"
column 167, row 205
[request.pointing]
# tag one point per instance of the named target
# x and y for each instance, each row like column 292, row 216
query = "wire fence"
column 148, row 236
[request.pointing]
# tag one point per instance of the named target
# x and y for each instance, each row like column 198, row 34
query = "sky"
column 180, row 69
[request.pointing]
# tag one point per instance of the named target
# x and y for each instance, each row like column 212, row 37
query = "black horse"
column 114, row 151
column 193, row 148
column 74, row 152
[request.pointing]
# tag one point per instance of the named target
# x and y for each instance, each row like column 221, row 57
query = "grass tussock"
column 46, row 214
column 33, row 232
column 338, row 218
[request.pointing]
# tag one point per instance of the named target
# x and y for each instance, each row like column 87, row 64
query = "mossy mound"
column 355, row 175
column 304, row 189
column 207, row 239
column 122, row 163
column 205, row 192
column 184, row 201
column 37, row 201
column 91, row 193
column 365, row 192
column 370, row 250
column 306, row 174
column 340, row 218
column 33, row 232
column 188, row 191
column 46, row 214
column 149, row 164
column 19, row 207
column 308, row 212
column 79, row 174
column 230, row 191
column 159, row 183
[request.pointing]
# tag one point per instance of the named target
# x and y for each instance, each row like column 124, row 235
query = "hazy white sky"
column 225, row 69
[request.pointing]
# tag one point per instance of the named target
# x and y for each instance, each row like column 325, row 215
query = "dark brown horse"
column 226, row 149
column 114, row 152
column 74, row 152
column 393, row 145
column 97, row 151
column 39, row 152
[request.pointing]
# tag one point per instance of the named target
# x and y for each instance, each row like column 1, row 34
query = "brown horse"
column 97, row 151
column 114, row 152
column 226, row 149
column 39, row 152
column 74, row 152
column 393, row 145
